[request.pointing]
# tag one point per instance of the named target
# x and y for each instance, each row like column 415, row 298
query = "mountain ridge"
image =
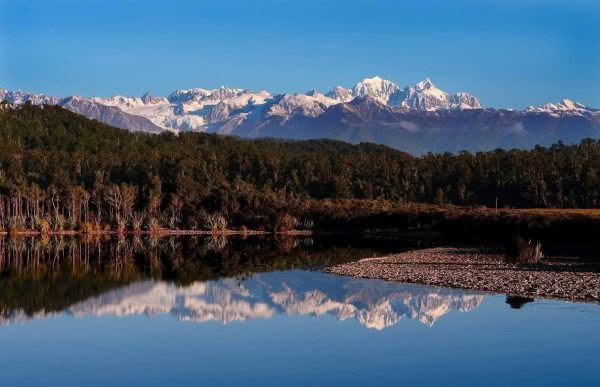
column 417, row 119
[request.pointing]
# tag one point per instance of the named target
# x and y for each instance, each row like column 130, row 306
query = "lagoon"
column 288, row 323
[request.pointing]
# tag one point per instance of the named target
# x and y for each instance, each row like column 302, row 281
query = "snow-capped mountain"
column 311, row 104
column 416, row 119
column 373, row 304
column 189, row 109
column 565, row 106
column 340, row 94
column 426, row 96
column 377, row 88
column 222, row 109
column 423, row 96
column 110, row 114
column 19, row 97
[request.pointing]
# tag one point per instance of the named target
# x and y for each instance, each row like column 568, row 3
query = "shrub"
column 285, row 223
column 44, row 227
column 153, row 225
column 215, row 222
column 90, row 227
column 58, row 222
column 16, row 224
column 216, row 243
column 523, row 252
column 40, row 224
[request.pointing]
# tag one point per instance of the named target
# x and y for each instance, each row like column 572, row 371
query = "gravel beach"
column 485, row 270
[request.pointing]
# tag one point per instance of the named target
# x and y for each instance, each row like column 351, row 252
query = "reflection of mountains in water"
column 374, row 304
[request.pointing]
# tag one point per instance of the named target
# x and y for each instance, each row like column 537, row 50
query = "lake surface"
column 255, row 312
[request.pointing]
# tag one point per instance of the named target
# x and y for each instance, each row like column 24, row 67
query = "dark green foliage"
column 75, row 171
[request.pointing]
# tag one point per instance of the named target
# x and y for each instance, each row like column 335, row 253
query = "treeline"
column 62, row 171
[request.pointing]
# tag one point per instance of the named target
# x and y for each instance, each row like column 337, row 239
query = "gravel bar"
column 483, row 269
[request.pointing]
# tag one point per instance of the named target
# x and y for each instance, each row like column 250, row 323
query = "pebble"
column 482, row 269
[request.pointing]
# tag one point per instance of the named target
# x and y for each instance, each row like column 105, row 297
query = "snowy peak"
column 147, row 98
column 237, row 97
column 426, row 87
column 320, row 97
column 340, row 94
column 311, row 104
column 426, row 96
column 186, row 95
column 375, row 87
column 190, row 109
column 425, row 84
column 19, row 98
column 423, row 96
column 223, row 92
column 566, row 106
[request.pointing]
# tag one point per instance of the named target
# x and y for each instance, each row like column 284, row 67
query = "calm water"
column 249, row 313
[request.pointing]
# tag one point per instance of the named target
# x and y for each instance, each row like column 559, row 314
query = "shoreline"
column 482, row 270
column 157, row 233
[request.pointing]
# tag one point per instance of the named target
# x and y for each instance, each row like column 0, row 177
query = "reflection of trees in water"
column 53, row 272
column 216, row 242
column 32, row 257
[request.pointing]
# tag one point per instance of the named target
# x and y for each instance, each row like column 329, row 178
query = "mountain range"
column 417, row 119
column 373, row 304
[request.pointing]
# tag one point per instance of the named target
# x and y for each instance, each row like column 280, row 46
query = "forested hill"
column 57, row 163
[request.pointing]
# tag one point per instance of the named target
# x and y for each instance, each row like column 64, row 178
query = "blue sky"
column 508, row 53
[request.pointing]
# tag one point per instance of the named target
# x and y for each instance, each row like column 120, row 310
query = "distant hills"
column 417, row 119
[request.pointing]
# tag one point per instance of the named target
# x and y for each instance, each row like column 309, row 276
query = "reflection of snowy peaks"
column 17, row 316
column 374, row 304
column 377, row 305
column 223, row 301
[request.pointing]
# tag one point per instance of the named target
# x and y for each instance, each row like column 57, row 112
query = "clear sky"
column 509, row 53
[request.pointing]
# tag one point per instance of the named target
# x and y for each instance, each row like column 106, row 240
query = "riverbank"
column 483, row 270
column 162, row 232
column 372, row 217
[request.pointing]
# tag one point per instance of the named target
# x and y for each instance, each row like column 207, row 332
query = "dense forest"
column 62, row 171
